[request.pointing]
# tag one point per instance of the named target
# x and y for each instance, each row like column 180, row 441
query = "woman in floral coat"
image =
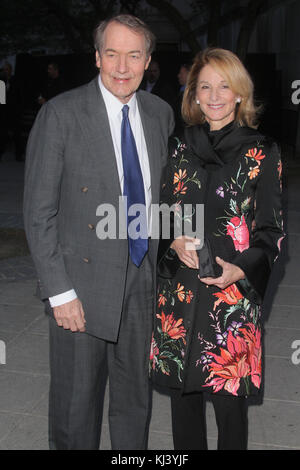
column 207, row 332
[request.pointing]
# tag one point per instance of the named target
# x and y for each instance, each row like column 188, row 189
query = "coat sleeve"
column 267, row 228
column 43, row 175
column 168, row 261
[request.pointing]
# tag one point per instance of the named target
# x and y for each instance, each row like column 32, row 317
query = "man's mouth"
column 121, row 79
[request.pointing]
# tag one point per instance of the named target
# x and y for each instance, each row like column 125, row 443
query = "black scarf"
column 218, row 148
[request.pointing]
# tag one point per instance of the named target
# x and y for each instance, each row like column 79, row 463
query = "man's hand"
column 185, row 248
column 70, row 316
column 231, row 274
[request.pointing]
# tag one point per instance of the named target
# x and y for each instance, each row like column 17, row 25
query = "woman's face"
column 216, row 100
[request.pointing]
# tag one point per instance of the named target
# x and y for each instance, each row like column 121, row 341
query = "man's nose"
column 122, row 64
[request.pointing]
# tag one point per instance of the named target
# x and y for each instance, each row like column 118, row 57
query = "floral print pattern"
column 171, row 341
column 238, row 231
column 206, row 338
column 239, row 361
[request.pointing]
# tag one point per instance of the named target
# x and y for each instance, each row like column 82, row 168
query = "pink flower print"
column 279, row 243
column 238, row 230
column 154, row 352
column 222, row 339
column 220, row 191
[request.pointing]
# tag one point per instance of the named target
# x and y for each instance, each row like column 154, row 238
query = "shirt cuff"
column 63, row 298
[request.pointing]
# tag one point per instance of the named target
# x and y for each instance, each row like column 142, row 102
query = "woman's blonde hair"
column 229, row 66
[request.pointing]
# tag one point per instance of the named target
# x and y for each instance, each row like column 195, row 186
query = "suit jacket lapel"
column 95, row 125
column 151, row 137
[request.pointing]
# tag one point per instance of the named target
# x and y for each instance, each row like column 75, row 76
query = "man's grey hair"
column 131, row 22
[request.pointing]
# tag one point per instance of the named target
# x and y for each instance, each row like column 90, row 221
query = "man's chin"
column 124, row 96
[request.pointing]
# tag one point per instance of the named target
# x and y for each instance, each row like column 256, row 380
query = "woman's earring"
column 238, row 100
column 197, row 101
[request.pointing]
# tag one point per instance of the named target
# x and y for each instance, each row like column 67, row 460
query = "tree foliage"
column 40, row 24
column 68, row 24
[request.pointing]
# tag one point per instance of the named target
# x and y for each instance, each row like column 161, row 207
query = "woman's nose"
column 214, row 94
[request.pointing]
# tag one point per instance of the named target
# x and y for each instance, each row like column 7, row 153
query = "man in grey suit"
column 99, row 296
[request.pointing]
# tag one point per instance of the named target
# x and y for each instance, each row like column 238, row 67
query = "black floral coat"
column 205, row 338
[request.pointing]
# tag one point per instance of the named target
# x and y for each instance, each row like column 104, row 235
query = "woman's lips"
column 215, row 106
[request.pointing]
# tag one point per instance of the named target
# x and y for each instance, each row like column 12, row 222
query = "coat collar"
column 218, row 148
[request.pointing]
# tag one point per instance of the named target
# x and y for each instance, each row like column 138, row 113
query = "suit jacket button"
column 86, row 260
column 84, row 190
column 91, row 226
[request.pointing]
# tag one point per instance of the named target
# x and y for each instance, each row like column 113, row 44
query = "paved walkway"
column 274, row 420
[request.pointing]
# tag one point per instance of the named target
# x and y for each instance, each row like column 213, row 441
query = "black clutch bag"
column 207, row 263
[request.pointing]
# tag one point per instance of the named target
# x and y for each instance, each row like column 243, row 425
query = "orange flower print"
column 231, row 295
column 253, row 339
column 253, row 172
column 179, row 176
column 171, row 327
column 241, row 359
column 230, row 367
column 252, row 153
column 180, row 292
column 161, row 300
column 189, row 297
column 180, row 188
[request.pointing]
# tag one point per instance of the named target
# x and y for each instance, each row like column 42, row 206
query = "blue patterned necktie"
column 133, row 189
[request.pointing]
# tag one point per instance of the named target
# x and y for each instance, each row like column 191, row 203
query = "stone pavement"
column 274, row 420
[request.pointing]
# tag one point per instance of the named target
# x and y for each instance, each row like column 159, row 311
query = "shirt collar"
column 113, row 104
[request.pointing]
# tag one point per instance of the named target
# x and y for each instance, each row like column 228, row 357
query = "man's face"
column 122, row 61
column 52, row 71
column 182, row 75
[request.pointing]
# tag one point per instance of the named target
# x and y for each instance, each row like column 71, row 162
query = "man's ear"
column 148, row 63
column 98, row 60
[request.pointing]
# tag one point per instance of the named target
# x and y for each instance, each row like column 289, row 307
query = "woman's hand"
column 185, row 248
column 231, row 274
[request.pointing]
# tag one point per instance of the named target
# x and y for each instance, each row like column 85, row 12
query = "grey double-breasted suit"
column 70, row 170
